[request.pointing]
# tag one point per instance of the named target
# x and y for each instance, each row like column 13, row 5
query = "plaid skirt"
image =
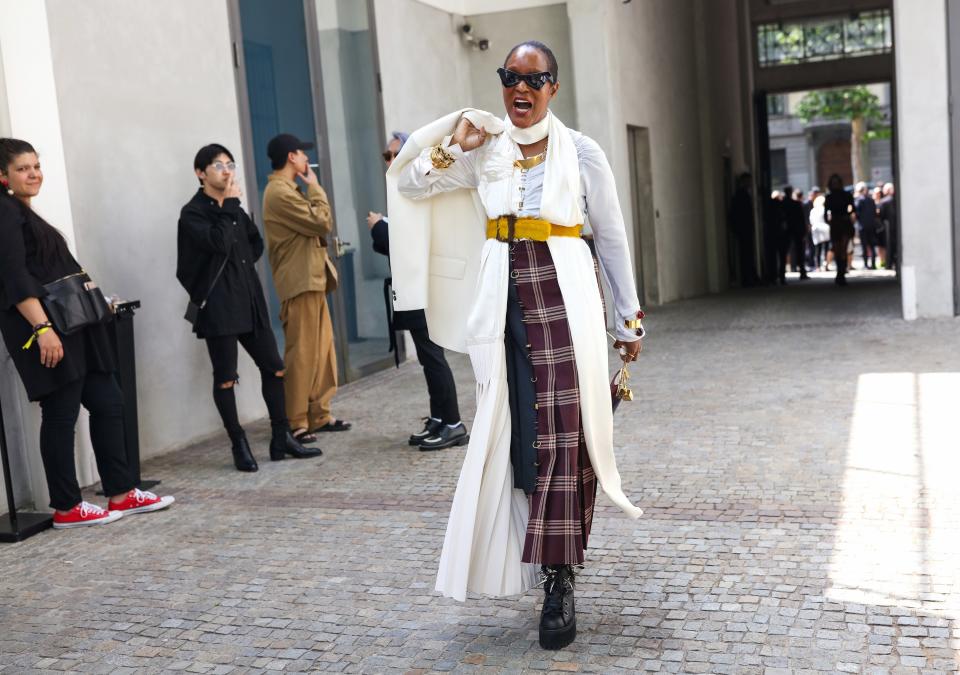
column 561, row 504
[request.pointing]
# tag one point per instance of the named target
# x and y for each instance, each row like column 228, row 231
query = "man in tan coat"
column 297, row 229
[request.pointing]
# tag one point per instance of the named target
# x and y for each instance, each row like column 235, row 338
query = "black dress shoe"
column 558, row 619
column 446, row 437
column 242, row 457
column 283, row 444
column 431, row 427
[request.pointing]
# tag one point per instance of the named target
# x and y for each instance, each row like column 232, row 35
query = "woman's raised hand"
column 468, row 136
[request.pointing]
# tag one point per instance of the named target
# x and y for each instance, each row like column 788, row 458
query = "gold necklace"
column 530, row 162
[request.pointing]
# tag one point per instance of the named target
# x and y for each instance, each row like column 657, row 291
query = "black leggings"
column 440, row 383
column 100, row 394
column 262, row 348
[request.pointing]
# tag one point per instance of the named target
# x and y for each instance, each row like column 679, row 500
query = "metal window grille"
column 825, row 38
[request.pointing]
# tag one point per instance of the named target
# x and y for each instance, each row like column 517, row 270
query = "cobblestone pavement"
column 795, row 452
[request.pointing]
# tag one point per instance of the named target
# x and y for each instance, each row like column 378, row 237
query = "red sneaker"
column 84, row 514
column 140, row 501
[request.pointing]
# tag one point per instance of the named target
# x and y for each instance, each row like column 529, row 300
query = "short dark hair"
column 207, row 154
column 788, row 189
column 552, row 67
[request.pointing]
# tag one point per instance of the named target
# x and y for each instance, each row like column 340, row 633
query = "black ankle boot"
column 242, row 457
column 283, row 443
column 558, row 620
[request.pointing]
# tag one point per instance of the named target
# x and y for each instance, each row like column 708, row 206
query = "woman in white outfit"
column 820, row 233
column 535, row 332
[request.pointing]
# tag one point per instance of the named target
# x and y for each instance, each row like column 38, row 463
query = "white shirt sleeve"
column 609, row 233
column 420, row 179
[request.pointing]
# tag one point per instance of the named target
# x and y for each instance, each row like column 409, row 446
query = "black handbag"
column 74, row 302
column 193, row 309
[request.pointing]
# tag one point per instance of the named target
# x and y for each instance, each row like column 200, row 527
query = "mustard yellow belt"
column 510, row 228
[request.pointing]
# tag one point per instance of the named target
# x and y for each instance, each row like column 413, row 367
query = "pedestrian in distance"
column 60, row 370
column 794, row 234
column 742, row 225
column 840, row 215
column 218, row 246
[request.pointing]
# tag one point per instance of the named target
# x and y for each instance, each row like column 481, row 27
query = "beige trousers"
column 310, row 359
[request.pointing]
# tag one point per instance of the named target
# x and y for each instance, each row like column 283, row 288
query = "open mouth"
column 522, row 106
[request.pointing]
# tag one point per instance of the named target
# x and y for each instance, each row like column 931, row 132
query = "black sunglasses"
column 534, row 80
column 389, row 155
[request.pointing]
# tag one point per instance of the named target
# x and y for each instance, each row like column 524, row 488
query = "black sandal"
column 305, row 437
column 338, row 425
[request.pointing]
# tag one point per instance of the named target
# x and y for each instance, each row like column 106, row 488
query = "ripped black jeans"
column 261, row 345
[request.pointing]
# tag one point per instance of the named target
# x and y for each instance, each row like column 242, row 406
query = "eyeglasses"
column 389, row 155
column 220, row 166
column 534, row 80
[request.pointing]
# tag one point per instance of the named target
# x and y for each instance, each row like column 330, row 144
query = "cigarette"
column 313, row 166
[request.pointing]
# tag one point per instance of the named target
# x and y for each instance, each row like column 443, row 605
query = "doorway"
column 644, row 215
column 309, row 69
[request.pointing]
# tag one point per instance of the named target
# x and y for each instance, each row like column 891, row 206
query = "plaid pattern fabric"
column 561, row 507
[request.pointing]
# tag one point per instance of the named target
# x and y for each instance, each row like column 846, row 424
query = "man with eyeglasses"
column 217, row 248
column 443, row 427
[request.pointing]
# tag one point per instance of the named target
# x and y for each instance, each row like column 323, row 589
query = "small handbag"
column 74, row 302
column 619, row 391
column 193, row 309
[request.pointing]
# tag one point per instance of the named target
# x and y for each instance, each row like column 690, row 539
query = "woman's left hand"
column 629, row 351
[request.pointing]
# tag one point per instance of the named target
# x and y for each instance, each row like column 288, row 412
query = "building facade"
column 117, row 95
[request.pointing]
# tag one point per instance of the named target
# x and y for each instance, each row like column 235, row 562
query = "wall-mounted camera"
column 466, row 34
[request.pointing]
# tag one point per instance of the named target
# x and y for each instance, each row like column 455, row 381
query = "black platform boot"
column 242, row 457
column 283, row 443
column 558, row 620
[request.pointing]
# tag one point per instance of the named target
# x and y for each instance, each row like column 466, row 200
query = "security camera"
column 467, row 36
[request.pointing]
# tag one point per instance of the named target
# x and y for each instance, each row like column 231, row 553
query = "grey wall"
column 658, row 85
column 141, row 86
column 424, row 69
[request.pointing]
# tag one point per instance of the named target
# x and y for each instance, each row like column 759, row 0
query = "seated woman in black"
column 215, row 232
column 60, row 371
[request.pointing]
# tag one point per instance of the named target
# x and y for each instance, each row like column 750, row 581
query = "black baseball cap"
column 280, row 146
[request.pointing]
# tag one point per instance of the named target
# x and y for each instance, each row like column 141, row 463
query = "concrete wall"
column 423, row 78
column 924, row 157
column 668, row 67
column 136, row 106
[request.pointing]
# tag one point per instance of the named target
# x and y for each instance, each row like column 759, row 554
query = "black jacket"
column 205, row 234
column 22, row 275
column 413, row 319
column 793, row 217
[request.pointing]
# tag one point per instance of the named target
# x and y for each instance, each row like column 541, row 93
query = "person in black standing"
column 795, row 235
column 774, row 235
column 866, row 209
column 443, row 428
column 60, row 371
column 217, row 248
column 888, row 215
column 741, row 224
column 839, row 211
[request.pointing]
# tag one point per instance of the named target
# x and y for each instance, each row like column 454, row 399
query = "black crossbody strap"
column 213, row 283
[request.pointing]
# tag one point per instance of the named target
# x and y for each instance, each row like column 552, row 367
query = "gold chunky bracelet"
column 441, row 157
